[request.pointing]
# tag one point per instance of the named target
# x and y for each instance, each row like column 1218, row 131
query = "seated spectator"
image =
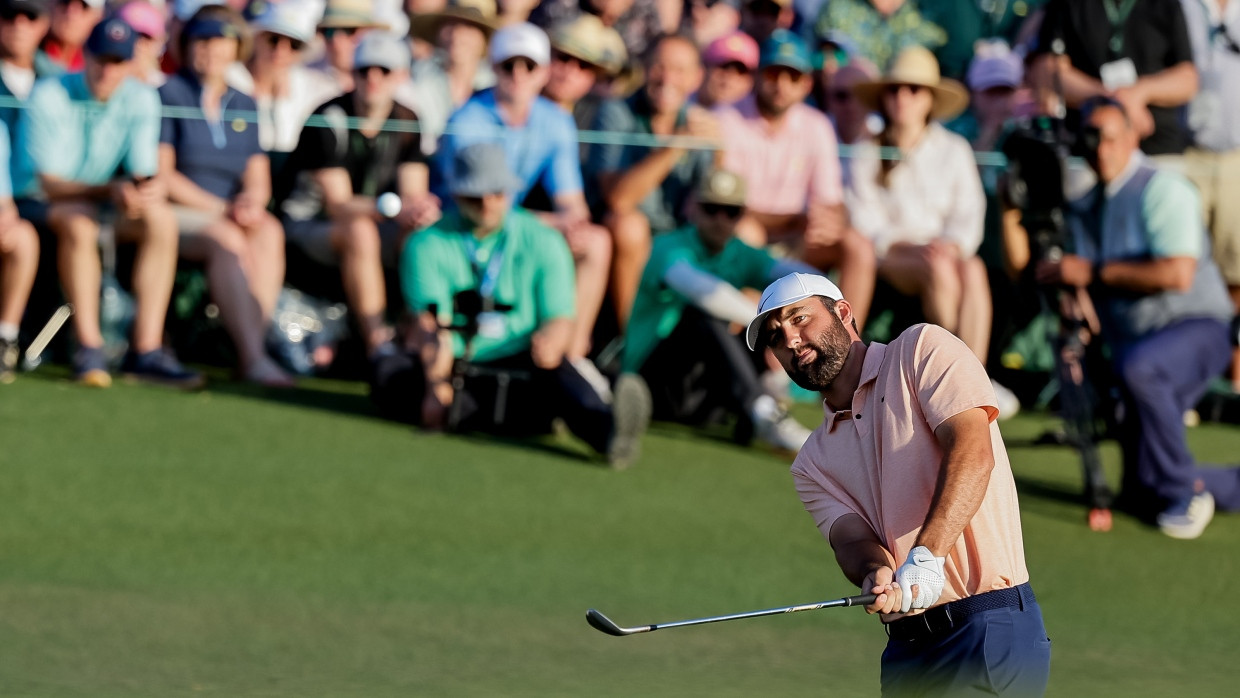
column 19, row 260
column 338, row 172
column 878, row 29
column 760, row 18
column 150, row 24
column 540, row 141
column 1142, row 57
column 584, row 55
column 646, row 190
column 637, row 21
column 520, row 274
column 1213, row 159
column 788, row 153
column 925, row 211
column 730, row 64
column 285, row 90
column 343, row 24
column 681, row 339
column 23, row 24
column 219, row 182
column 1141, row 249
column 70, row 157
column 850, row 117
column 994, row 79
column 442, row 82
column 71, row 22
column 704, row 21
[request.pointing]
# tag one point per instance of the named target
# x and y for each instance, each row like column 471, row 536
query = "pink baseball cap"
column 144, row 18
column 737, row 47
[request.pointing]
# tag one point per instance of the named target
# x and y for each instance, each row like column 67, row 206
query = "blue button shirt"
column 69, row 134
column 211, row 153
column 543, row 150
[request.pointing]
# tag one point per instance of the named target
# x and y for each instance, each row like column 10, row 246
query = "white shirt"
column 935, row 193
column 1214, row 114
column 280, row 120
column 20, row 81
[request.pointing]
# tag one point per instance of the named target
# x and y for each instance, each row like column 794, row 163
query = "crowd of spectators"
column 681, row 152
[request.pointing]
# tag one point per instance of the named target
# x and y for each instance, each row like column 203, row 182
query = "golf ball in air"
column 388, row 204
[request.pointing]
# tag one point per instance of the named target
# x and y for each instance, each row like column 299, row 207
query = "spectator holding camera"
column 1141, row 249
column 71, row 154
column 519, row 273
column 341, row 171
column 219, row 182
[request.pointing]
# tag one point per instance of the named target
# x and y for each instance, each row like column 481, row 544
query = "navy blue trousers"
column 1162, row 376
column 1000, row 652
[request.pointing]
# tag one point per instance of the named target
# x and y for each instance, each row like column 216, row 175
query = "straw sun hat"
column 479, row 13
column 917, row 66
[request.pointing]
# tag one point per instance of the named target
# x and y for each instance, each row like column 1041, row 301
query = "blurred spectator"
column 1137, row 52
column 646, row 190
column 637, row 21
column 285, row 90
column 1213, row 161
column 683, row 338
column 180, row 13
column 343, row 24
column 850, row 117
column 519, row 273
column 707, row 20
column 442, row 82
column 22, row 26
column 150, row 24
column 994, row 79
column 422, row 48
column 514, row 11
column 1141, row 248
column 878, row 29
column 585, row 55
column 787, row 151
column 924, row 211
column 730, row 64
column 540, row 141
column 968, row 21
column 71, row 23
column 219, row 183
column 19, row 260
column 70, row 157
column 339, row 171
column 759, row 18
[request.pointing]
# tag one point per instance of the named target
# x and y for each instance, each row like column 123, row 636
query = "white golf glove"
column 926, row 571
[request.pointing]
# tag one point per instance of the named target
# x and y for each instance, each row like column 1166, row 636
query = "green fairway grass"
column 240, row 543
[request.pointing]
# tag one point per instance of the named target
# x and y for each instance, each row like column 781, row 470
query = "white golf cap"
column 786, row 291
column 383, row 50
column 521, row 40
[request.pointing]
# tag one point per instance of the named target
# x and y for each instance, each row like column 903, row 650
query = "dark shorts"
column 969, row 648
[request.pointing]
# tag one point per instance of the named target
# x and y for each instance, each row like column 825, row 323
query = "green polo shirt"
column 657, row 309
column 535, row 277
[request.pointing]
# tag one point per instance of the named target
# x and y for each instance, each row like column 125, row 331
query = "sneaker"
column 594, row 377
column 1187, row 520
column 90, row 367
column 161, row 367
column 9, row 354
column 631, row 411
column 1005, row 400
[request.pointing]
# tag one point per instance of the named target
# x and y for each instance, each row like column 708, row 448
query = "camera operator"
column 491, row 287
column 1141, row 249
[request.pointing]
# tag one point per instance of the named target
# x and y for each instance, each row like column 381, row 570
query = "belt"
column 940, row 620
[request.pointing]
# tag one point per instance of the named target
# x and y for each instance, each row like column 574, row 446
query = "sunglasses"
column 273, row 40
column 732, row 212
column 895, row 89
column 9, row 15
column 331, row 32
column 509, row 66
column 841, row 96
column 561, row 57
column 735, row 67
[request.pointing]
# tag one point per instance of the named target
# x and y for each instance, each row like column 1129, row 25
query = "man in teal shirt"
column 79, row 131
column 490, row 289
column 680, row 353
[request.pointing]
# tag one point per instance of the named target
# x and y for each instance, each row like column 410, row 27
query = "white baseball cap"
column 786, row 291
column 521, row 40
column 295, row 19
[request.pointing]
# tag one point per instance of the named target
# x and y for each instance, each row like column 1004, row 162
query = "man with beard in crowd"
column 909, row 481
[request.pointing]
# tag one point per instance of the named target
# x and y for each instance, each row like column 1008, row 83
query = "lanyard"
column 1117, row 16
column 488, row 277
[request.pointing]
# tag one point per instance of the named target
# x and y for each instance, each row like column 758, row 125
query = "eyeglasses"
column 273, row 40
column 510, row 66
column 331, row 32
column 894, row 90
column 732, row 212
column 561, row 57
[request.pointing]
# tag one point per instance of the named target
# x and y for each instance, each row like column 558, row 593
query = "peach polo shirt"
column 881, row 460
column 786, row 169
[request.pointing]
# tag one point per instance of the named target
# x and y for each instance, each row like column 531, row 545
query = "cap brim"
column 755, row 325
column 799, row 66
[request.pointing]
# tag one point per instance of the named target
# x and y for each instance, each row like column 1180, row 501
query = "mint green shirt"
column 657, row 309
column 535, row 277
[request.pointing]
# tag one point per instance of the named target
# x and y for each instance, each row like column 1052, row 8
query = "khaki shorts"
column 193, row 221
column 1217, row 176
column 314, row 237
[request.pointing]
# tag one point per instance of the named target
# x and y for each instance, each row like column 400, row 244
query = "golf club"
column 604, row 624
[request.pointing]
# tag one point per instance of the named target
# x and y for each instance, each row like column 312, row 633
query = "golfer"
column 908, row 479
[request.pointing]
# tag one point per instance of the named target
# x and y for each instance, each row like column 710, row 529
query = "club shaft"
column 862, row 600
column 35, row 350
